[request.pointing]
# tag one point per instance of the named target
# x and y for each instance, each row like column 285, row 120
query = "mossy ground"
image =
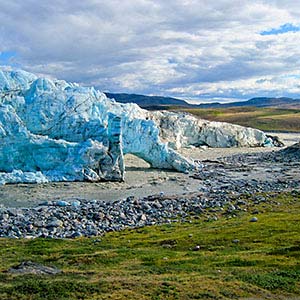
column 158, row 262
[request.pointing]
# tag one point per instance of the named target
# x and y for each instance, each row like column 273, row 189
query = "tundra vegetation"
column 266, row 119
column 228, row 257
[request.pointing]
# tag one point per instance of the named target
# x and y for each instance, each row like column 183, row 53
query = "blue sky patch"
column 288, row 27
column 8, row 58
column 5, row 57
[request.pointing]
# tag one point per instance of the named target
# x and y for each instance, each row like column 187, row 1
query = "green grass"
column 267, row 119
column 157, row 262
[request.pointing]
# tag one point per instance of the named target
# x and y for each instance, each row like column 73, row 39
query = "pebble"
column 62, row 203
column 75, row 203
column 254, row 219
column 196, row 248
column 55, row 223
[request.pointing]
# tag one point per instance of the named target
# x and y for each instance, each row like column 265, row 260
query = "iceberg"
column 53, row 130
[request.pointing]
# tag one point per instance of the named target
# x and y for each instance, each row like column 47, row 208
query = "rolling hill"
column 147, row 101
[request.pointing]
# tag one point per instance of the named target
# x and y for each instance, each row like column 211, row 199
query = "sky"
column 201, row 51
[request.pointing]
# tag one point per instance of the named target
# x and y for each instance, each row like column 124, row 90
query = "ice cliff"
column 52, row 130
column 182, row 129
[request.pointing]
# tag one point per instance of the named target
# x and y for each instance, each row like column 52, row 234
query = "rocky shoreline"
column 226, row 186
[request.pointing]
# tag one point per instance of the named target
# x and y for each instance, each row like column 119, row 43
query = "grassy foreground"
column 158, row 262
column 267, row 119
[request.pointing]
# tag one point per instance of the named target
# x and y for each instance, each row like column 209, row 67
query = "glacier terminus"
column 53, row 130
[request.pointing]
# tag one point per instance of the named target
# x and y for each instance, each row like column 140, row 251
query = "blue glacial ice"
column 53, row 130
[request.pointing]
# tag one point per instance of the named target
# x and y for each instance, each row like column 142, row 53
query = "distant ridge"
column 282, row 102
column 147, row 101
column 159, row 102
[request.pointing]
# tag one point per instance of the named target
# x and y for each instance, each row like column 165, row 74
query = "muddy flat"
column 141, row 180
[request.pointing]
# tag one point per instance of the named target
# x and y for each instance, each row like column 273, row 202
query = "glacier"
column 53, row 130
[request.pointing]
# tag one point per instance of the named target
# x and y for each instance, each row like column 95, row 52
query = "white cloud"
column 181, row 48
